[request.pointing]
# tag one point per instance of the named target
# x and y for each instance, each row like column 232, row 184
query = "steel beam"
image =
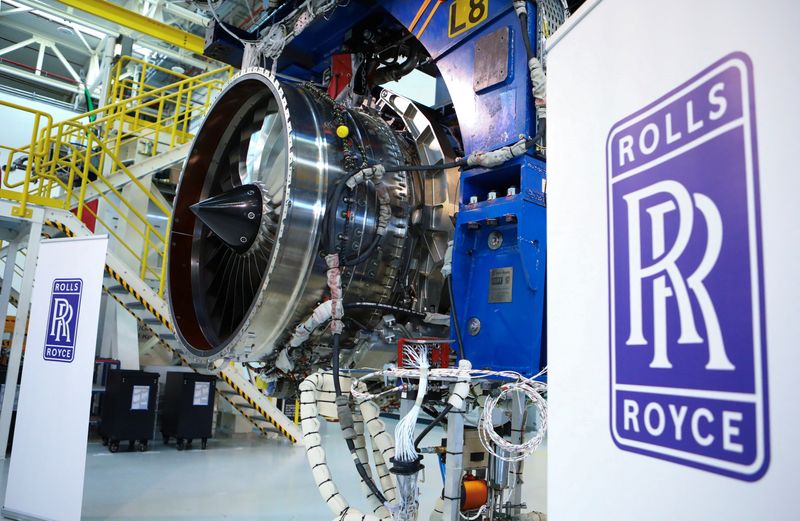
column 23, row 308
column 5, row 297
column 18, row 45
column 40, row 59
column 139, row 23
column 44, row 80
column 69, row 15
column 15, row 10
column 65, row 63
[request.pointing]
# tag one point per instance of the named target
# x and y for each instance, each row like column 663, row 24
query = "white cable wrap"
column 373, row 173
column 539, row 82
column 383, row 447
column 438, row 510
column 320, row 315
column 499, row 156
column 316, row 454
column 361, row 450
column 335, row 286
column 313, row 443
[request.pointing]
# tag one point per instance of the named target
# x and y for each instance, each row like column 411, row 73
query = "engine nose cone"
column 234, row 216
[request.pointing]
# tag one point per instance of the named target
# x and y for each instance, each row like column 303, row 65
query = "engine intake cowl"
column 244, row 261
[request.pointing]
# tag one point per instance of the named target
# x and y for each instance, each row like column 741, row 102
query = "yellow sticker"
column 466, row 14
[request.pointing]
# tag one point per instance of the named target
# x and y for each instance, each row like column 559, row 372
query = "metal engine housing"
column 280, row 139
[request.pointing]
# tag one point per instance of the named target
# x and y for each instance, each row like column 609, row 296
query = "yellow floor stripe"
column 261, row 411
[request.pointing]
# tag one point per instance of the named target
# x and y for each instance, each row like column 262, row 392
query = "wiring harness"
column 490, row 439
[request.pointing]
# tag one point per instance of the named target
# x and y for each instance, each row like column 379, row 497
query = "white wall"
column 623, row 56
column 16, row 126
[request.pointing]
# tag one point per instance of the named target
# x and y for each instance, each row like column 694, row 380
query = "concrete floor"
column 240, row 480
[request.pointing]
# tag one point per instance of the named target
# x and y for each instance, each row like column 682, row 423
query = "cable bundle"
column 416, row 358
column 491, row 441
column 498, row 446
column 450, row 374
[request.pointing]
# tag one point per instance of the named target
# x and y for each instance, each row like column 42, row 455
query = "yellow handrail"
column 73, row 163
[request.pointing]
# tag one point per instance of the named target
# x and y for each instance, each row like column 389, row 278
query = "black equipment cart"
column 188, row 408
column 129, row 409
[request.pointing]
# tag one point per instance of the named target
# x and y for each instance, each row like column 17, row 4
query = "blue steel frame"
column 512, row 335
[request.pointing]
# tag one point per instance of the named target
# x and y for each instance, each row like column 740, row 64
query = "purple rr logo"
column 62, row 320
column 688, row 348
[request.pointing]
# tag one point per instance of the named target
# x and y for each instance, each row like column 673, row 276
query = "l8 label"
column 466, row 14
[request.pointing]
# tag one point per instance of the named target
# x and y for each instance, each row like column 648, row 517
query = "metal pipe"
column 185, row 14
column 454, row 465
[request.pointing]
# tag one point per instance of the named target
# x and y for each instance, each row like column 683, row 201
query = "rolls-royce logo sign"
column 687, row 343
column 62, row 321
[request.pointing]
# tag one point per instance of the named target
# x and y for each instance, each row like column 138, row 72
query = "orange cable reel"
column 474, row 493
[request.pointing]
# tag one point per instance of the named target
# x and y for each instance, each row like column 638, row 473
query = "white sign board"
column 202, row 393
column 45, row 478
column 673, row 251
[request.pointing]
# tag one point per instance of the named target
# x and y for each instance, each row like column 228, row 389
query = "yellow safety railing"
column 72, row 163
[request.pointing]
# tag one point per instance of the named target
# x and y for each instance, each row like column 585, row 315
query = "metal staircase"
column 140, row 300
column 90, row 175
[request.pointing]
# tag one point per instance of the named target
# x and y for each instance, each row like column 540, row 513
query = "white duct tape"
column 461, row 389
column 539, row 82
column 438, row 319
column 384, row 209
column 335, row 286
column 320, row 315
column 497, row 157
column 447, row 268
column 283, row 362
column 371, row 173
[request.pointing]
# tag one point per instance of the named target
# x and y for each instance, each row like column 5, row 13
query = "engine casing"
column 263, row 166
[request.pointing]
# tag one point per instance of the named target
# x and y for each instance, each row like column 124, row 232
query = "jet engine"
column 264, row 195
column 315, row 239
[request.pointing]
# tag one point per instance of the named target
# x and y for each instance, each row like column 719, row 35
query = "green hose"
column 89, row 104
